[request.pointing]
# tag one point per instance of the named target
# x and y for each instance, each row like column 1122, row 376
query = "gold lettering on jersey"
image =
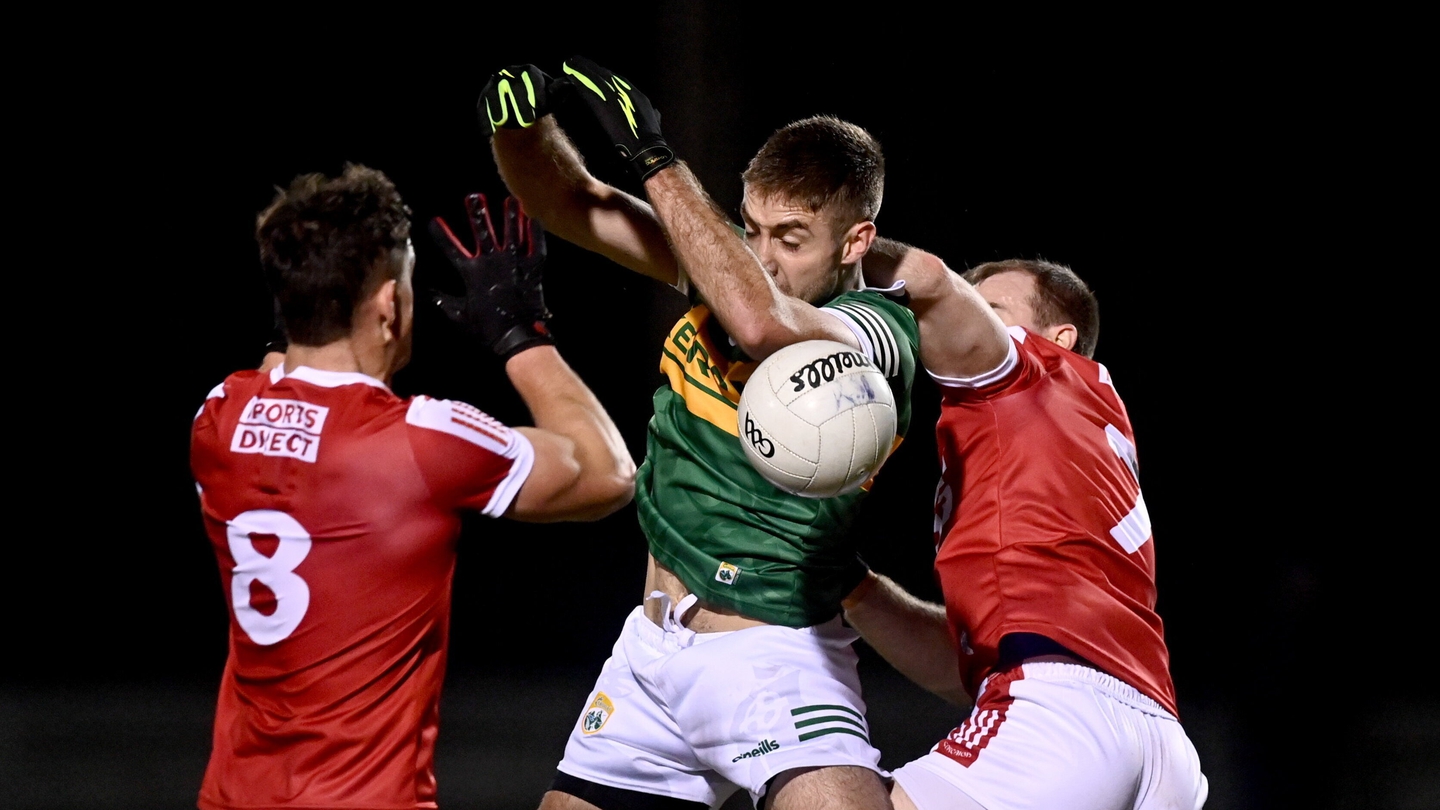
column 287, row 428
column 700, row 372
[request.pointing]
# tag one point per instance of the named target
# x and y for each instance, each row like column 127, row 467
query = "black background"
column 1216, row 189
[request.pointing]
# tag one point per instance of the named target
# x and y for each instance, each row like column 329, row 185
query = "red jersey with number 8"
column 333, row 508
column 1049, row 533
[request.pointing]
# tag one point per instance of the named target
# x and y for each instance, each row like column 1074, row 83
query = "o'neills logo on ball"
column 817, row 372
column 598, row 714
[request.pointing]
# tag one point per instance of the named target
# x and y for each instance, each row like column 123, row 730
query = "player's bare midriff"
column 702, row 617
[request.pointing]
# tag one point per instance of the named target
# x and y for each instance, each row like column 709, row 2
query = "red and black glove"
column 503, row 307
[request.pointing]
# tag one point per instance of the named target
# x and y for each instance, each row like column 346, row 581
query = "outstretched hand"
column 503, row 307
column 625, row 114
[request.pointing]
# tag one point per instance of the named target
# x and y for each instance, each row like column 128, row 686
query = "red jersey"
column 332, row 507
column 1049, row 534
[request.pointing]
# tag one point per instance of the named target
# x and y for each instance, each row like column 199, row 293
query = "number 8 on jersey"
column 274, row 571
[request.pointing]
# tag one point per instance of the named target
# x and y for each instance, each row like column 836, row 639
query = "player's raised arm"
column 755, row 312
column 581, row 468
column 961, row 337
column 545, row 171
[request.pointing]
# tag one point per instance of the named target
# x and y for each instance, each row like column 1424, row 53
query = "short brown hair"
column 821, row 161
column 1060, row 297
column 325, row 243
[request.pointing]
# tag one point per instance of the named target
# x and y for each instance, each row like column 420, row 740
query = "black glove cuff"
column 520, row 338
column 652, row 159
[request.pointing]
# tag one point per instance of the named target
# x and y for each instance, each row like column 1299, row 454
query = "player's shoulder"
column 887, row 303
column 465, row 422
column 1050, row 360
column 240, row 383
column 1049, row 352
column 886, row 328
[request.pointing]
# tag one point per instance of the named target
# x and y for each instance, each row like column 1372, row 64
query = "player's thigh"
column 928, row 792
column 625, row 739
column 835, row 788
column 1173, row 779
column 756, row 703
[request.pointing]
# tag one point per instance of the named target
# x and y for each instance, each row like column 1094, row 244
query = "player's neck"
column 345, row 355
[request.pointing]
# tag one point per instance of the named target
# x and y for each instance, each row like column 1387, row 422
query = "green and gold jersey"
column 732, row 537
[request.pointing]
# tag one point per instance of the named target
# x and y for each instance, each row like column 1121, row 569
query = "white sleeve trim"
column 218, row 392
column 873, row 333
column 480, row 429
column 682, row 281
column 509, row 486
column 994, row 375
column 865, row 345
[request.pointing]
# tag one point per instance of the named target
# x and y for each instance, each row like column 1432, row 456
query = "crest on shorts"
column 598, row 714
column 727, row 573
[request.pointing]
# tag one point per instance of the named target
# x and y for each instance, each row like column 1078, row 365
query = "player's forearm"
column 545, row 171
column 560, row 402
column 912, row 635
column 737, row 289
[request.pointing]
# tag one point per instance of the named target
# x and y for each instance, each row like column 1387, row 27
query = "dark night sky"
column 1186, row 181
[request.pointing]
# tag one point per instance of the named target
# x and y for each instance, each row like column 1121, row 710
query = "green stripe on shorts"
column 822, row 732
column 824, row 708
column 834, row 718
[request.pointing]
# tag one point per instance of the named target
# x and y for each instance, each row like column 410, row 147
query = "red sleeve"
column 469, row 460
column 990, row 380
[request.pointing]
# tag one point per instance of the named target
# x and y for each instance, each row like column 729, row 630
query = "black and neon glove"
column 515, row 98
column 625, row 114
column 504, row 306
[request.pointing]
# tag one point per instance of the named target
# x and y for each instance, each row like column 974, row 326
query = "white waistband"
column 1105, row 682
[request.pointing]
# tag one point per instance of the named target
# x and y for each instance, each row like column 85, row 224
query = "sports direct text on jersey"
column 280, row 427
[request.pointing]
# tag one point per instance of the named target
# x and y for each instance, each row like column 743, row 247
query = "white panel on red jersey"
column 218, row 392
column 479, row 428
column 288, row 428
column 1134, row 529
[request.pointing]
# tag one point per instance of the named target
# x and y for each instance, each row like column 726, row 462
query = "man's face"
column 802, row 250
column 1010, row 294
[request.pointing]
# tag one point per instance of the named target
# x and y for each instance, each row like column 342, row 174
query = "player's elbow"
column 762, row 334
column 612, row 488
column 926, row 276
column 614, row 493
column 604, row 490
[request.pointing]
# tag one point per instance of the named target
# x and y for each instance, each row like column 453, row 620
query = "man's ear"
column 1064, row 334
column 858, row 241
column 386, row 301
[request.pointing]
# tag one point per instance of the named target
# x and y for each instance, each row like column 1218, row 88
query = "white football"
column 817, row 419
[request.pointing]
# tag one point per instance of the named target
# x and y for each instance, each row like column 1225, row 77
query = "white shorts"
column 690, row 716
column 1046, row 735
